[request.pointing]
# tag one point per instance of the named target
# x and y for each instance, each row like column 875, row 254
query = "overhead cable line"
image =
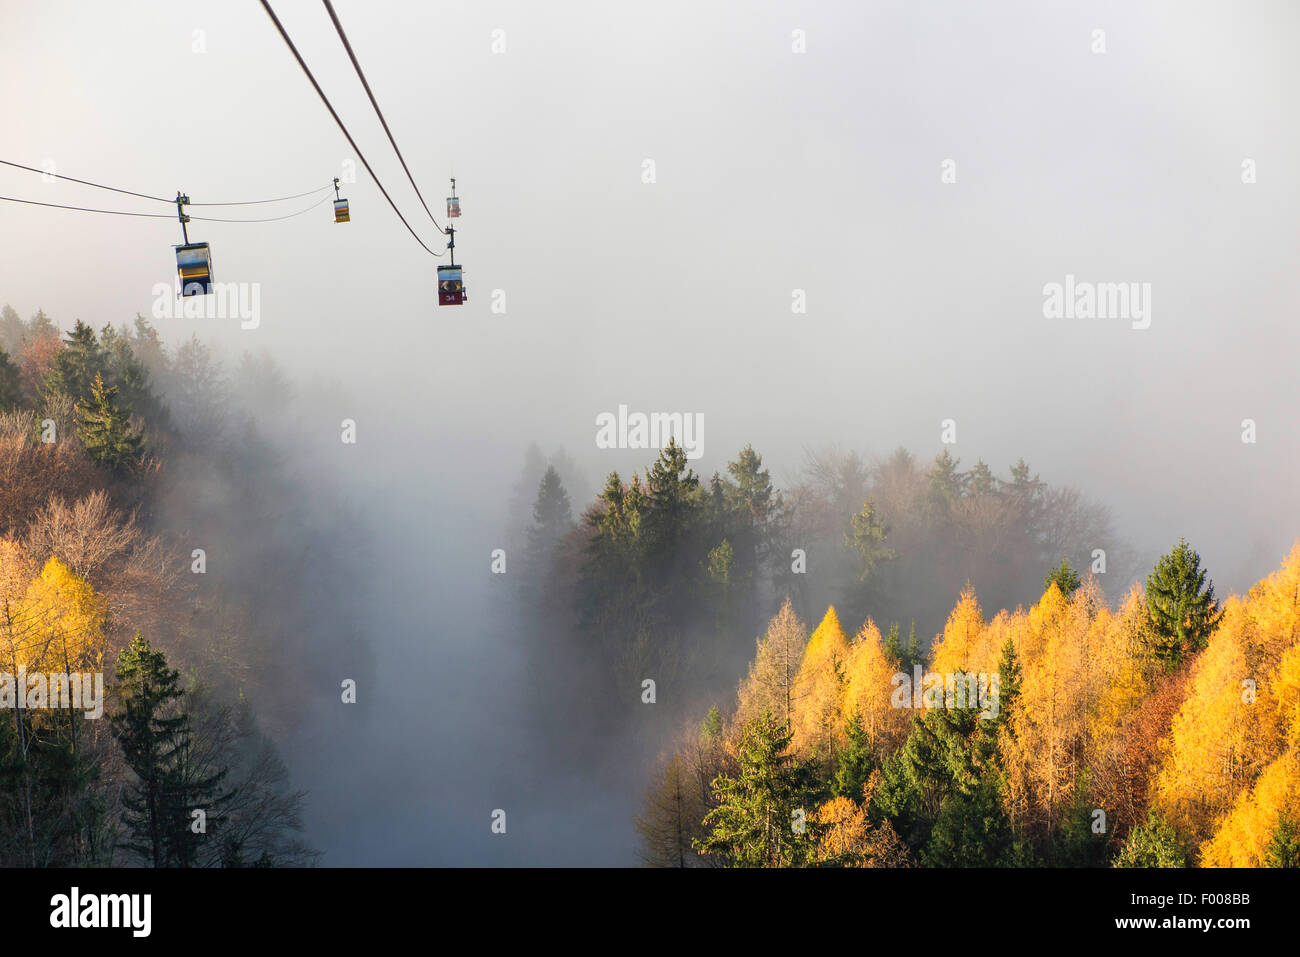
column 122, row 212
column 329, row 106
column 84, row 182
column 378, row 112
column 158, row 199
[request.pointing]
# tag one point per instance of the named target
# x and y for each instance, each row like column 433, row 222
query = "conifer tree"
column 154, row 733
column 10, row 382
column 105, row 429
column 764, row 816
column 77, row 364
column 1065, row 578
column 1153, row 844
column 1181, row 604
column 855, row 761
column 552, row 519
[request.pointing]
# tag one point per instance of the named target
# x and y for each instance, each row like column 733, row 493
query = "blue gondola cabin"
column 194, row 263
column 341, row 211
column 451, row 288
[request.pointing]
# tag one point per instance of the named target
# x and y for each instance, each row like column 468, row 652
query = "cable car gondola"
column 340, row 205
column 453, row 203
column 194, row 263
column 193, row 260
column 451, row 287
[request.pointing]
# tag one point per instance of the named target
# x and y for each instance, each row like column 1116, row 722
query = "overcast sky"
column 774, row 171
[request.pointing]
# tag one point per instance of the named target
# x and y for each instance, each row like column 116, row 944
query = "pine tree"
column 856, row 761
column 11, row 392
column 105, row 429
column 1153, row 844
column 552, row 519
column 764, row 816
column 1284, row 846
column 894, row 645
column 866, row 537
column 914, row 654
column 1181, row 604
column 77, row 365
column 154, row 733
column 1065, row 578
column 148, row 728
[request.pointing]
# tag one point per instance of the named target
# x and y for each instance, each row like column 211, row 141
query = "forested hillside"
column 1158, row 731
column 150, row 531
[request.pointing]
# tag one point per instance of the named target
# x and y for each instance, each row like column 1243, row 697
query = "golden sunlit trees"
column 1236, row 718
column 771, row 684
column 960, row 639
column 868, row 689
column 1243, row 839
column 847, row 838
column 51, row 625
column 819, row 689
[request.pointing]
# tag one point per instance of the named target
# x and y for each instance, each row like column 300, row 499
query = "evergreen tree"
column 914, row 654
column 1153, row 844
column 1065, row 578
column 154, row 733
column 10, row 384
column 552, row 519
column 893, row 646
column 1181, row 605
column 1284, row 846
column 763, row 817
column 12, row 330
column 77, row 364
column 866, row 537
column 855, row 761
column 148, row 728
column 105, row 429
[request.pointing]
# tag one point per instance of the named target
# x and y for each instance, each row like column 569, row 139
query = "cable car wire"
column 258, row 202
column 85, row 182
column 160, row 199
column 378, row 112
column 329, row 106
column 271, row 219
column 83, row 209
column 122, row 212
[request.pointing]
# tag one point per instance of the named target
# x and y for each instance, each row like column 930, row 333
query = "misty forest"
column 96, row 575
column 321, row 545
column 676, row 619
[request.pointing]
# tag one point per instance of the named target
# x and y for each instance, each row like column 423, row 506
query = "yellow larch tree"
column 961, row 634
column 1242, row 840
column 1056, row 687
column 1240, row 713
column 1214, row 745
column 778, row 655
column 868, row 693
column 819, row 689
column 65, row 619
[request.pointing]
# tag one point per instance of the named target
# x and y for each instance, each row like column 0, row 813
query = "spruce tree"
column 1284, row 846
column 854, row 762
column 148, row 728
column 1181, row 605
column 763, row 817
column 552, row 519
column 1065, row 577
column 1153, row 844
column 10, row 385
column 156, row 740
column 105, row 429
column 77, row 364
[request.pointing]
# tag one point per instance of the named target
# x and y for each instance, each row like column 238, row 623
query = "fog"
column 774, row 171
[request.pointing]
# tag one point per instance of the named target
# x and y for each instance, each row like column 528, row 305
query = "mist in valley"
column 780, row 177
